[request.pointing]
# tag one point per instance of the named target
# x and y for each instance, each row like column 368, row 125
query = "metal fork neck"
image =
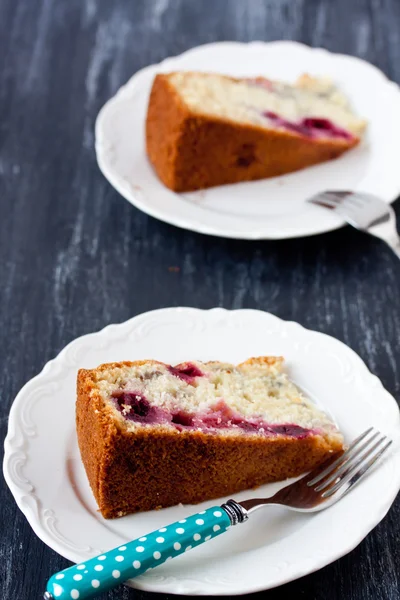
column 235, row 512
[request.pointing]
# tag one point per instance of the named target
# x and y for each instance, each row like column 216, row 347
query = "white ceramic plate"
column 270, row 208
column 45, row 474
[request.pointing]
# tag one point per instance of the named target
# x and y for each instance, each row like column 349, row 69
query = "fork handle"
column 104, row 572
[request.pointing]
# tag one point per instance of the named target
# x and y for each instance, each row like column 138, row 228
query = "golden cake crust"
column 131, row 471
column 190, row 151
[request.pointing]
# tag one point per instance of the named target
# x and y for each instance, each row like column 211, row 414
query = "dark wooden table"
column 74, row 256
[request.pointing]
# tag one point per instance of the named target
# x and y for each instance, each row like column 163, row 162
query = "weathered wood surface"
column 74, row 256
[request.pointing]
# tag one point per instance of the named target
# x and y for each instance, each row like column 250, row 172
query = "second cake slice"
column 206, row 129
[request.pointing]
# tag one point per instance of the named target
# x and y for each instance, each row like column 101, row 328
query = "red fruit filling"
column 186, row 371
column 135, row 407
column 310, row 126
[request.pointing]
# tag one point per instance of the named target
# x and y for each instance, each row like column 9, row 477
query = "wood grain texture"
column 74, row 256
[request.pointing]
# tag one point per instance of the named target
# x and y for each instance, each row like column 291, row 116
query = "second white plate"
column 270, row 208
column 44, row 471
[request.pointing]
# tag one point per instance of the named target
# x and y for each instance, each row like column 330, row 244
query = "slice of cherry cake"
column 205, row 129
column 152, row 435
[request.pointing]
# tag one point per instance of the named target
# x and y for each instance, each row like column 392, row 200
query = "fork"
column 363, row 211
column 315, row 491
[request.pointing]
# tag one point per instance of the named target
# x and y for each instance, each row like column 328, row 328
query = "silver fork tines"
column 354, row 462
column 329, row 482
column 363, row 211
column 356, row 473
column 347, row 463
column 349, row 466
column 341, row 458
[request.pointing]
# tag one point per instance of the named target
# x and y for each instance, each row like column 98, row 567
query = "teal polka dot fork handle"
column 99, row 574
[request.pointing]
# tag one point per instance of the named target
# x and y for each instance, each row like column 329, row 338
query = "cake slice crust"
column 219, row 445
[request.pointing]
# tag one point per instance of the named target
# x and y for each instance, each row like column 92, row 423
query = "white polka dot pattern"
column 152, row 549
column 57, row 590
